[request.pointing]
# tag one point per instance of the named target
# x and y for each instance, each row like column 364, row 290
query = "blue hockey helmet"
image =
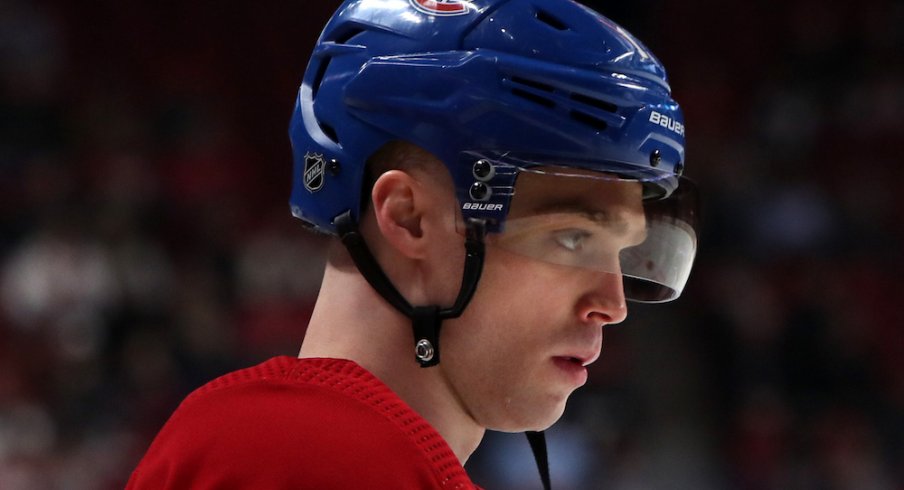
column 495, row 89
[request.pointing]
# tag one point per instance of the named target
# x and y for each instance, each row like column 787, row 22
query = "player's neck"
column 350, row 321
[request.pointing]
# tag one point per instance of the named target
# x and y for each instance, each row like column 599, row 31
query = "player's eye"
column 571, row 239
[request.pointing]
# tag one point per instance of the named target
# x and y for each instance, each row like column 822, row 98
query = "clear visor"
column 602, row 222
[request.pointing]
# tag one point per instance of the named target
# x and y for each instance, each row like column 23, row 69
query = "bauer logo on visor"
column 441, row 7
column 313, row 171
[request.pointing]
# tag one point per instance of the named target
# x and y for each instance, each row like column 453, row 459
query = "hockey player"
column 501, row 176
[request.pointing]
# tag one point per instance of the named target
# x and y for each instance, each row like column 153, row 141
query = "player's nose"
column 604, row 303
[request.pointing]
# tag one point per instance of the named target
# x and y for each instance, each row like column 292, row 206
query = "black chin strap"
column 537, row 442
column 427, row 320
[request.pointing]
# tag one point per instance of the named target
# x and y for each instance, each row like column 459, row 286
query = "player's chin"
column 539, row 415
column 550, row 418
column 549, row 407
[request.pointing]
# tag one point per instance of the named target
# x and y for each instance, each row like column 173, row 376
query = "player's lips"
column 572, row 369
column 574, row 360
column 587, row 353
column 582, row 359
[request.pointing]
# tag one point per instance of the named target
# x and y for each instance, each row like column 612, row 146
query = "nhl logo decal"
column 314, row 165
column 441, row 7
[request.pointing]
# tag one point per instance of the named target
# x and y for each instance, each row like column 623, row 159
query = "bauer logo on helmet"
column 479, row 206
column 667, row 122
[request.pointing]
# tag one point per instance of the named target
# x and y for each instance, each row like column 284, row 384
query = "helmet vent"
column 533, row 84
column 538, row 99
column 599, row 104
column 318, row 76
column 589, row 120
column 548, row 19
column 532, row 91
column 343, row 37
column 581, row 108
column 340, row 36
column 329, row 131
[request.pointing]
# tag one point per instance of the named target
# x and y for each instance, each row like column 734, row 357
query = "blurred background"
column 146, row 245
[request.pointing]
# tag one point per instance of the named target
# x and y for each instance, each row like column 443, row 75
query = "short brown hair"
column 395, row 155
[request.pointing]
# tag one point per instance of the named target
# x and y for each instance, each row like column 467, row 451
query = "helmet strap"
column 426, row 321
column 537, row 442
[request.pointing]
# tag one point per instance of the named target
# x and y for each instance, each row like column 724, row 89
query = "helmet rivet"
column 679, row 168
column 483, row 170
column 333, row 167
column 479, row 191
column 424, row 350
column 655, row 158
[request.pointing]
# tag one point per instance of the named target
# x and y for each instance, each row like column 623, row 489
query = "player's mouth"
column 574, row 368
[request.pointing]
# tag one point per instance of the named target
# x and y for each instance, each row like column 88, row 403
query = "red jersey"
column 298, row 424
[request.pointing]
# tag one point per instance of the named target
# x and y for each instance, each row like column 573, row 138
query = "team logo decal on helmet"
column 313, row 171
column 441, row 7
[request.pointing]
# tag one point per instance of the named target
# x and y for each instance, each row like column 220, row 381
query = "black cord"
column 537, row 442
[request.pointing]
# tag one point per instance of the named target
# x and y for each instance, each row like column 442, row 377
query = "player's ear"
column 399, row 204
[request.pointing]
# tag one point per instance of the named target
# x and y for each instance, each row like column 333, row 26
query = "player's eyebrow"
column 615, row 222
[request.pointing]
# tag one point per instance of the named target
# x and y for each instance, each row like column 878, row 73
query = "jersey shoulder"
column 298, row 423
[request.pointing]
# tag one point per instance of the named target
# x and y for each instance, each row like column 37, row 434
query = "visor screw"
column 679, row 168
column 424, row 350
column 333, row 167
column 479, row 191
column 483, row 170
column 655, row 158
